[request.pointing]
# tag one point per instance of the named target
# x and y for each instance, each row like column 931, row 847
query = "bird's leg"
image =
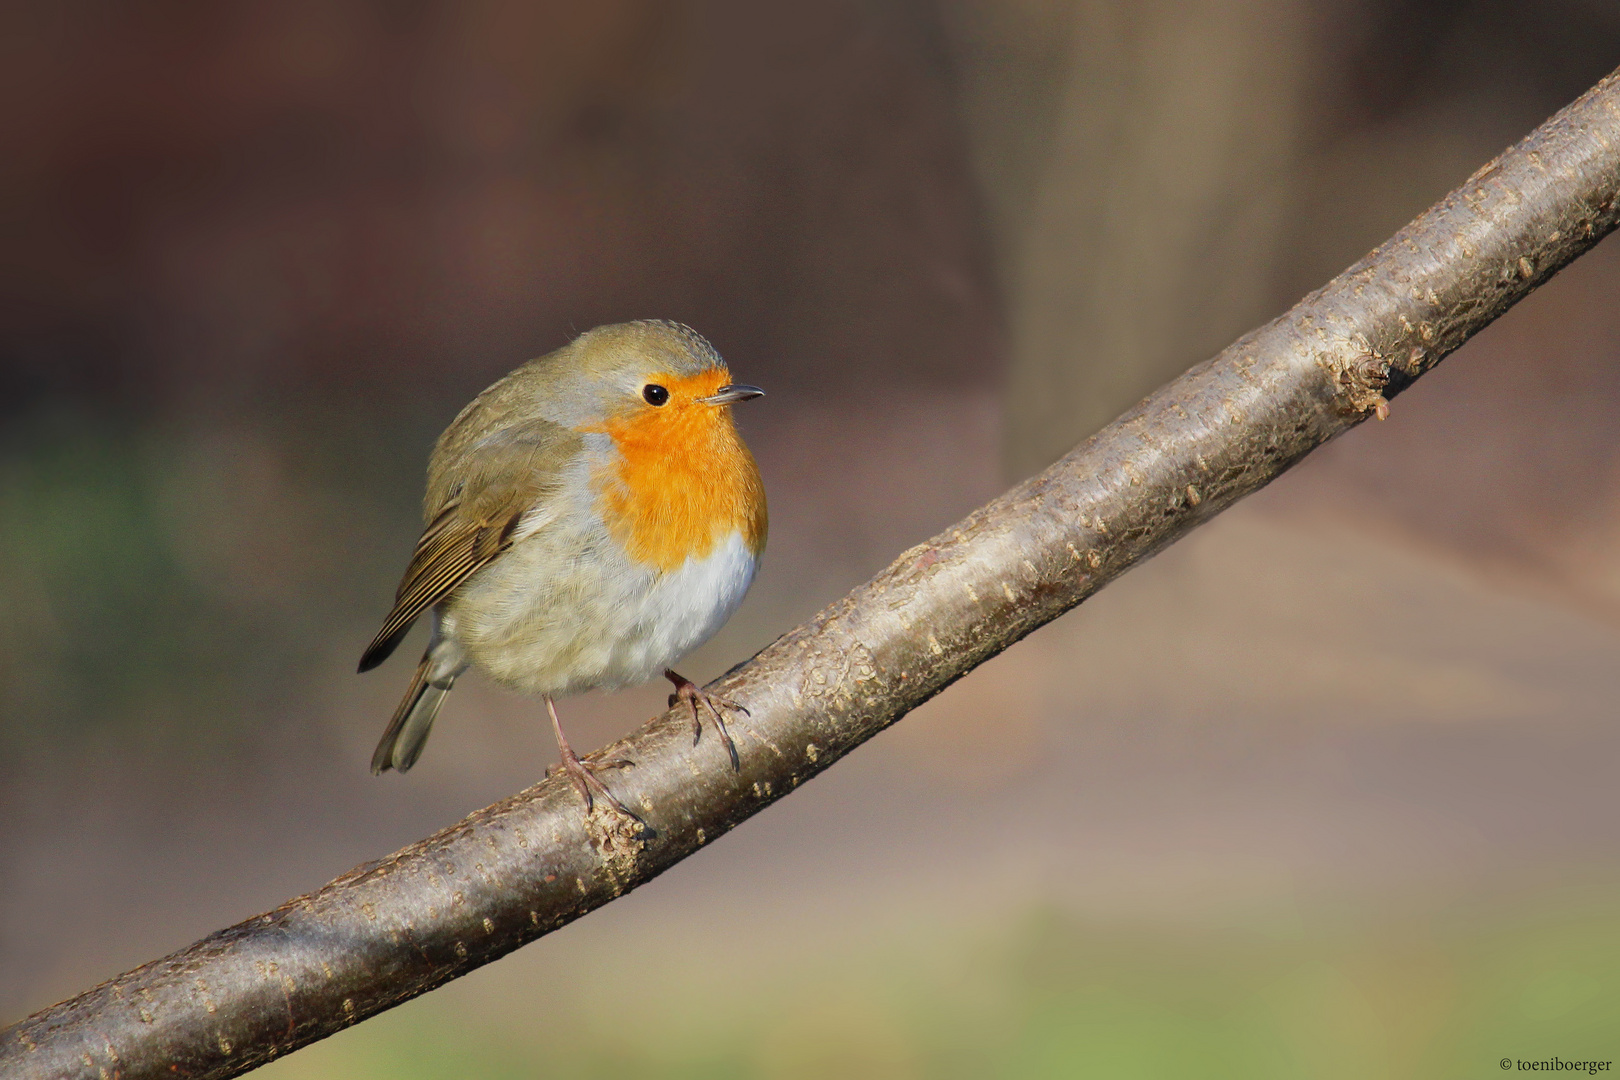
column 688, row 691
column 582, row 772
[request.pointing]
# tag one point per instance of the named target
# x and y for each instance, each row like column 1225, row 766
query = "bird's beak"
column 733, row 393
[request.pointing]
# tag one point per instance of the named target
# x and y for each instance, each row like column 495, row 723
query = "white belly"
column 549, row 618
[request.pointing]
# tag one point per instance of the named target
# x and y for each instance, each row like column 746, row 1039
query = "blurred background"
column 1325, row 790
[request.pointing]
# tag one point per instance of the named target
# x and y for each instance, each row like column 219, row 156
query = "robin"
column 590, row 519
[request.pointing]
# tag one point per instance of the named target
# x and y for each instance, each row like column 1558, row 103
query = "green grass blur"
column 1055, row 996
column 163, row 581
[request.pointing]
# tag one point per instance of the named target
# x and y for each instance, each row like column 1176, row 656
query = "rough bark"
column 393, row 929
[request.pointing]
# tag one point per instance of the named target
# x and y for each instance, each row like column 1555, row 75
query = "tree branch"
column 504, row 876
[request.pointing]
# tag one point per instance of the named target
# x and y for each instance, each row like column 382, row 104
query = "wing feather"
column 505, row 474
column 443, row 560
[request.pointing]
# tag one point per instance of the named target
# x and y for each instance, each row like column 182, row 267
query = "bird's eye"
column 654, row 394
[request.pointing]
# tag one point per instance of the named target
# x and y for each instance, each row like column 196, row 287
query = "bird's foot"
column 582, row 772
column 698, row 698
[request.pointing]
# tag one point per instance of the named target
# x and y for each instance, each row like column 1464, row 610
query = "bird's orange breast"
column 683, row 481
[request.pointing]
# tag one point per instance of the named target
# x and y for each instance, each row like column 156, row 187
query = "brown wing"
column 449, row 552
column 501, row 476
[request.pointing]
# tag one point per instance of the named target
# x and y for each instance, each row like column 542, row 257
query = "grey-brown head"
column 616, row 369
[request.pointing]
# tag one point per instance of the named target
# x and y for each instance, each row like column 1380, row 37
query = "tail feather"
column 407, row 732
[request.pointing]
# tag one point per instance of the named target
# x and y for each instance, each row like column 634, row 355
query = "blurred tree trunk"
column 1157, row 136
